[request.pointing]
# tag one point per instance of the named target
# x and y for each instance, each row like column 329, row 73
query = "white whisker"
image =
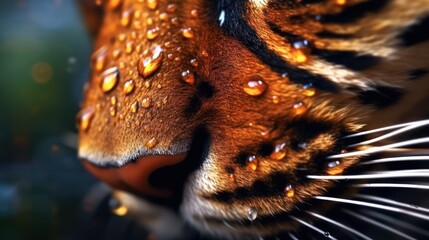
column 340, row 225
column 293, row 236
column 313, row 227
column 392, row 185
column 373, row 205
column 393, row 202
column 421, row 123
column 397, row 222
column 381, row 148
column 379, row 224
column 396, row 159
column 394, row 133
column 376, row 175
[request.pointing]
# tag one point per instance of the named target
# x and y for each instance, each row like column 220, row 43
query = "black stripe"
column 381, row 96
column 349, row 59
column 417, row 73
column 416, row 33
column 355, row 12
column 272, row 186
column 279, row 4
column 288, row 36
column 236, row 26
column 333, row 35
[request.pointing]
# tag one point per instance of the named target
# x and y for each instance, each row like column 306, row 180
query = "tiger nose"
column 135, row 176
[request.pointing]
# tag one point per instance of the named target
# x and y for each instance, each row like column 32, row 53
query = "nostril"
column 174, row 176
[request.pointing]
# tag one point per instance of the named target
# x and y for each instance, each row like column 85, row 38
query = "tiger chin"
column 261, row 119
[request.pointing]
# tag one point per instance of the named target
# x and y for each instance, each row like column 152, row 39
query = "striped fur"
column 277, row 87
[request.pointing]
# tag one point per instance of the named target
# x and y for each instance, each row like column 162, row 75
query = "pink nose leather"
column 133, row 177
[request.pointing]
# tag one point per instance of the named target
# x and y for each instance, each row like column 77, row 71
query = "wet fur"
column 234, row 120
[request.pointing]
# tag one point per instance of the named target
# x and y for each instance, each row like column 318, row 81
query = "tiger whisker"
column 376, row 175
column 378, row 224
column 373, row 205
column 392, row 185
column 293, row 237
column 313, row 227
column 394, row 133
column 396, row 222
column 381, row 148
column 419, row 123
column 395, row 159
column 392, row 202
column 342, row 226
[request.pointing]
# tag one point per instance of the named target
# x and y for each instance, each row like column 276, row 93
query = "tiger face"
column 238, row 112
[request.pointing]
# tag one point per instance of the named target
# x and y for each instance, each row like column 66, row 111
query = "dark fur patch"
column 236, row 26
column 381, row 96
column 355, row 12
column 349, row 59
column 416, row 33
column 333, row 35
column 415, row 74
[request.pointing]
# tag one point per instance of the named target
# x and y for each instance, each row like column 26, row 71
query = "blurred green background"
column 44, row 50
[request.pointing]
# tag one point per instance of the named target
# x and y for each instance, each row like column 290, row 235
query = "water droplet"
column 121, row 37
column 302, row 49
column 327, row 234
column 188, row 77
column 151, row 143
column 85, row 118
column 117, row 208
column 194, row 62
column 116, row 53
column 163, row 16
column 289, row 191
column 279, row 151
column 134, row 107
column 300, row 56
column 252, row 162
column 114, row 4
column 276, row 99
column 113, row 100
column 152, row 4
column 341, row 2
column 112, row 111
column 136, row 25
column 194, row 13
column 126, row 17
column 174, row 21
column 301, row 44
column 231, row 178
column 128, row 87
column 171, row 8
column 110, row 79
column 299, row 108
column 149, row 65
column 252, row 214
column 146, row 103
column 255, row 86
column 100, row 58
column 221, row 18
column 335, row 167
column 188, row 32
column 309, row 90
column 129, row 47
column 204, row 53
column 152, row 33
